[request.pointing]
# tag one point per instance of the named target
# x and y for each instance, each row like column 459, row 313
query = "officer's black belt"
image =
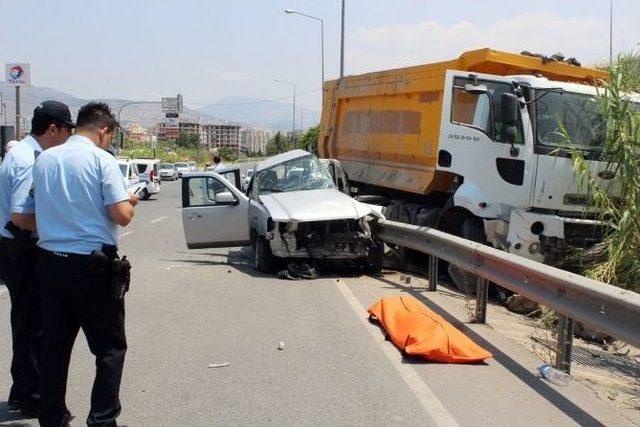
column 65, row 255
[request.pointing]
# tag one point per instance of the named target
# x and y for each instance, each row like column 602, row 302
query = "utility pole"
column 18, row 113
column 342, row 43
column 610, row 32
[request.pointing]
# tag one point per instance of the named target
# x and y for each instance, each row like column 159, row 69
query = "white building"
column 255, row 140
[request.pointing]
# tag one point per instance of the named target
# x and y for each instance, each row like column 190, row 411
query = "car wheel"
column 144, row 195
column 375, row 259
column 263, row 257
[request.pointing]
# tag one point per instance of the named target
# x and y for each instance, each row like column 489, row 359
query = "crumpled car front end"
column 332, row 239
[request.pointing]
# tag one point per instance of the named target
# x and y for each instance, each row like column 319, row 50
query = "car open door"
column 214, row 212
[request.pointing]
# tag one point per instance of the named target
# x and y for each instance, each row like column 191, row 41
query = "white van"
column 132, row 179
column 149, row 171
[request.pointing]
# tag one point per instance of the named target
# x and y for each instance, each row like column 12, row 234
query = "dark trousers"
column 73, row 298
column 21, row 282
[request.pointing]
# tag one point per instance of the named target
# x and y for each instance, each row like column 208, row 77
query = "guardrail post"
column 402, row 258
column 564, row 343
column 433, row 273
column 482, row 296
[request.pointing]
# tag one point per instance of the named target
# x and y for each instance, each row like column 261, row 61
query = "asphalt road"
column 191, row 309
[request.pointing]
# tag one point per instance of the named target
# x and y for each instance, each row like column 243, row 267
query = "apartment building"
column 255, row 140
column 222, row 136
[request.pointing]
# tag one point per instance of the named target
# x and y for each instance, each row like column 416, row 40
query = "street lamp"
column 293, row 127
column 297, row 12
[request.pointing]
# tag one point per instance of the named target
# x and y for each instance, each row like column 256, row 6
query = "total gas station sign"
column 17, row 74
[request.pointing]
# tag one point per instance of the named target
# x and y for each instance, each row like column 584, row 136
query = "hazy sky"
column 211, row 49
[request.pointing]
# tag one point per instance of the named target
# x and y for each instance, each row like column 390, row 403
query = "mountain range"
column 247, row 112
column 262, row 113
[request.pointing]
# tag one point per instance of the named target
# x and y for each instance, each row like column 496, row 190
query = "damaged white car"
column 292, row 209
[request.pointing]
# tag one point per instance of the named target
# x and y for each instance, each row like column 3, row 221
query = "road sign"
column 172, row 105
column 169, row 105
column 17, row 74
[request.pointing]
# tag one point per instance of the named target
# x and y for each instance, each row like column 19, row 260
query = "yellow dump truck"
column 473, row 146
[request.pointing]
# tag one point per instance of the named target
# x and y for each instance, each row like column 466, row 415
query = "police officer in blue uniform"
column 80, row 200
column 51, row 125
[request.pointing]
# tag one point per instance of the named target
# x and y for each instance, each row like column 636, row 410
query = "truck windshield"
column 303, row 173
column 579, row 114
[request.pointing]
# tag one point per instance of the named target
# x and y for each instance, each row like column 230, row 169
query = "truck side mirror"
column 510, row 105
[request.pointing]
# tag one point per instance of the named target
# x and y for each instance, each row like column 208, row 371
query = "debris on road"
column 519, row 304
column 297, row 271
column 219, row 365
column 281, row 346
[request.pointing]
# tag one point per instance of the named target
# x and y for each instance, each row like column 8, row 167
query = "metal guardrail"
column 604, row 307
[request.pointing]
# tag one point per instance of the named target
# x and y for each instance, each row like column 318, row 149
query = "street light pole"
column 293, row 126
column 297, row 12
column 610, row 32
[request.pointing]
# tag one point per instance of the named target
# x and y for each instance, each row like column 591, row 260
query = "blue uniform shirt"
column 74, row 183
column 15, row 181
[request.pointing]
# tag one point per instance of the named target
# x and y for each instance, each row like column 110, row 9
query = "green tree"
column 188, row 140
column 616, row 260
column 228, row 154
column 309, row 140
column 277, row 144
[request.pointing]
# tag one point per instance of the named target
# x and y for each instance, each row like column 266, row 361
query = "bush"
column 616, row 260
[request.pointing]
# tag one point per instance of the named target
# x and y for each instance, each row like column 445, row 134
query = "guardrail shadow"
column 524, row 374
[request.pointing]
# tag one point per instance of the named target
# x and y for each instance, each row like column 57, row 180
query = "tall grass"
column 616, row 260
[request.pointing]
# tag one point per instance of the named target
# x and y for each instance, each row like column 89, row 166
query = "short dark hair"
column 40, row 124
column 96, row 115
column 217, row 159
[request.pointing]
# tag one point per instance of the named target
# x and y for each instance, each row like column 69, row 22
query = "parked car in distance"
column 131, row 177
column 148, row 170
column 168, row 171
column 193, row 167
column 182, row 167
column 292, row 209
column 247, row 179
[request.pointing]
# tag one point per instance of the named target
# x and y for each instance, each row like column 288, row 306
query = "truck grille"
column 583, row 235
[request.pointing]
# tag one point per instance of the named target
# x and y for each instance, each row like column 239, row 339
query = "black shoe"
column 13, row 405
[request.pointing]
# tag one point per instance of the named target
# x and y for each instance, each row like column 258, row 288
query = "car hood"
column 315, row 205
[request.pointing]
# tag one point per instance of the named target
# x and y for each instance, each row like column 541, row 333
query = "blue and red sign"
column 17, row 74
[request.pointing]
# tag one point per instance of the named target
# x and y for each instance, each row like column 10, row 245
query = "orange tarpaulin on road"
column 419, row 331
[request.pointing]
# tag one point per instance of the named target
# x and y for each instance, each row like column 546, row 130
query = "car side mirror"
column 510, row 105
column 226, row 198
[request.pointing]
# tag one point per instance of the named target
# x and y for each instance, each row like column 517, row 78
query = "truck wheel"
column 263, row 258
column 375, row 259
column 472, row 229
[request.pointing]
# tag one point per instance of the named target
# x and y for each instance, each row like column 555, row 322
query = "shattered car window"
column 303, row 173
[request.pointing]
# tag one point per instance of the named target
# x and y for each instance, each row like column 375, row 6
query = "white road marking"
column 177, row 266
column 158, row 219
column 126, row 233
column 427, row 398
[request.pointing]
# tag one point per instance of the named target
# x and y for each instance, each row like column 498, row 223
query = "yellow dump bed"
column 384, row 126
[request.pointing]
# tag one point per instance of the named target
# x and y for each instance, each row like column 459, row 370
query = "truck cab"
column 516, row 173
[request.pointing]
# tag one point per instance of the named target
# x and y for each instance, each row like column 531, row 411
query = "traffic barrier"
column 608, row 309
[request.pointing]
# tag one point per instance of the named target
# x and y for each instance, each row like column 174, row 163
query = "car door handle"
column 194, row 216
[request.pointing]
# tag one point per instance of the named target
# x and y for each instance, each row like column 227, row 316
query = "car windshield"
column 182, row 165
column 579, row 114
column 123, row 168
column 302, row 173
column 167, row 166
